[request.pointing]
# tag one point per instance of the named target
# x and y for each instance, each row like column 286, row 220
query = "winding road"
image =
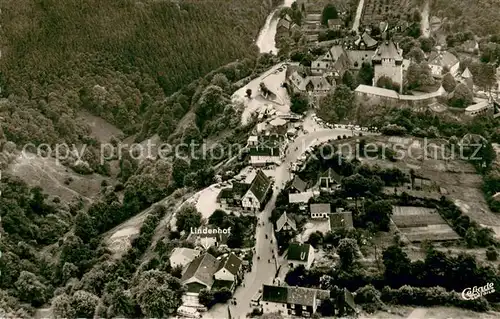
column 424, row 25
column 266, row 41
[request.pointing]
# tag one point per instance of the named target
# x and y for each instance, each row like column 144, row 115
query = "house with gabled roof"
column 443, row 60
column 232, row 196
column 320, row 210
column 366, row 42
column 229, row 271
column 300, row 254
column 340, row 220
column 292, row 301
column 285, row 223
column 298, row 185
column 200, row 273
column 329, row 180
column 256, row 196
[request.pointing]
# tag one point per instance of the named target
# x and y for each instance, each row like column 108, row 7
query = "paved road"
column 264, row 272
column 425, row 27
column 359, row 13
column 266, row 40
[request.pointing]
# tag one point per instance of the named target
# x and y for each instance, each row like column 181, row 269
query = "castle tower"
column 388, row 61
column 468, row 78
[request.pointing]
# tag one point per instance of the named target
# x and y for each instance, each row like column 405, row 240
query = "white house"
column 229, row 268
column 181, row 257
column 300, row 254
column 254, row 199
column 320, row 210
column 292, row 301
column 441, row 60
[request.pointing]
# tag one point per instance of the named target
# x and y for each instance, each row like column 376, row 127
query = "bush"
column 491, row 253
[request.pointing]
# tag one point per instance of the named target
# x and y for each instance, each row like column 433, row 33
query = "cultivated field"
column 375, row 10
column 419, row 224
column 455, row 179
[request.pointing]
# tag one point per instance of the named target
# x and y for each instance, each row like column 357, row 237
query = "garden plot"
column 419, row 224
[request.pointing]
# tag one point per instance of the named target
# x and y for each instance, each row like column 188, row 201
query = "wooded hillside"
column 55, row 54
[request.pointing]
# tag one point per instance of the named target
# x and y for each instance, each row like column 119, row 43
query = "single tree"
column 449, row 82
column 188, row 217
column 329, row 12
column 348, row 252
column 299, row 103
column 461, row 96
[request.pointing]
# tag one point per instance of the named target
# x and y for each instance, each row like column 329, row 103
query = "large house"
column 439, row 61
column 365, row 42
column 292, row 301
column 285, row 224
column 317, row 85
column 300, row 254
column 320, row 210
column 268, row 149
column 233, row 195
column 256, row 196
column 181, row 257
column 200, row 273
column 335, row 61
column 388, row 62
column 207, row 272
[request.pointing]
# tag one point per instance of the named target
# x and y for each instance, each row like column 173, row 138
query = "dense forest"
column 114, row 58
column 481, row 17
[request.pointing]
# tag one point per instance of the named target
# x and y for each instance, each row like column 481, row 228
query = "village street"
column 263, row 271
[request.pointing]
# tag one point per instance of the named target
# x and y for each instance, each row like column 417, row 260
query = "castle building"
column 388, row 61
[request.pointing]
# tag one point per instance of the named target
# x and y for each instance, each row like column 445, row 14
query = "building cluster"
column 201, row 270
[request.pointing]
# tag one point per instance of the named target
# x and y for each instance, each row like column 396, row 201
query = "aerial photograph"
column 233, row 159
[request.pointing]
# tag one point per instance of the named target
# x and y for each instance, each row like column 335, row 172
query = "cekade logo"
column 478, row 292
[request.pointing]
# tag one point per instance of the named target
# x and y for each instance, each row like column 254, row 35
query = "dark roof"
column 264, row 151
column 232, row 263
column 240, row 188
column 320, row 208
column 298, row 251
column 331, row 174
column 387, row 50
column 293, row 295
column 274, row 294
column 284, row 219
column 226, row 193
column 202, row 268
column 341, row 220
column 301, row 296
column 284, row 23
column 299, row 184
column 260, row 185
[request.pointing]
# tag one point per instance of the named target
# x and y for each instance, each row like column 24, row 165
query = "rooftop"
column 478, row 106
column 202, row 268
column 231, row 262
column 284, row 219
column 298, row 251
column 299, row 184
column 260, row 185
column 293, row 295
column 444, row 59
column 320, row 208
column 300, row 197
column 367, row 89
column 388, row 50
